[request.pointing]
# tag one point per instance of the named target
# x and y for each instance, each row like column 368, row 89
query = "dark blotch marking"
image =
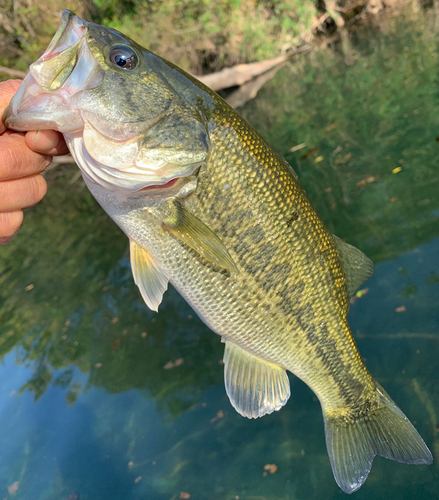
column 275, row 278
column 293, row 218
column 306, row 319
column 350, row 388
column 227, row 227
column 291, row 298
column 256, row 234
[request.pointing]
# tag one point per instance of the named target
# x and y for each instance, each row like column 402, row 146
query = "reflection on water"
column 102, row 397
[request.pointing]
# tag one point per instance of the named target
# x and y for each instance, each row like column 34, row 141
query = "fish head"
column 134, row 123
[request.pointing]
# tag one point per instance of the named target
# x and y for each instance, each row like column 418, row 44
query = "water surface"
column 102, row 397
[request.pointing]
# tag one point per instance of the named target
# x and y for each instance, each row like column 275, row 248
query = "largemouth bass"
column 210, row 207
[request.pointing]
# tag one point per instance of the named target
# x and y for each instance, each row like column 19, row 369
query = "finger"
column 48, row 142
column 17, row 194
column 7, row 91
column 10, row 223
column 17, row 160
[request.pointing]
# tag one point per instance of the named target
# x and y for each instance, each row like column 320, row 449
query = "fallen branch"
column 250, row 89
column 58, row 160
column 12, row 72
column 242, row 73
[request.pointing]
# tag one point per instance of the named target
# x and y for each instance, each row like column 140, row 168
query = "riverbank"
column 201, row 36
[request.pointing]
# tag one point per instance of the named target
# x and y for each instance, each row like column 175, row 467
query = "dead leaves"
column 219, row 415
column 343, row 159
column 269, row 469
column 309, row 152
column 367, row 180
column 173, row 364
column 13, row 488
column 358, row 295
column 298, row 147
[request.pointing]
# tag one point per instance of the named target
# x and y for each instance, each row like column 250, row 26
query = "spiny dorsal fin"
column 148, row 276
column 254, row 386
column 195, row 234
column 357, row 266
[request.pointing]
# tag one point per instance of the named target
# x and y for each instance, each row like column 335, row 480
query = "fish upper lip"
column 70, row 24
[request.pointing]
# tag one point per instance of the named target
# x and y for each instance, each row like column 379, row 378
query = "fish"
column 210, row 207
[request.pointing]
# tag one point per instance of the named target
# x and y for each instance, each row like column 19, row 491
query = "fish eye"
column 124, row 57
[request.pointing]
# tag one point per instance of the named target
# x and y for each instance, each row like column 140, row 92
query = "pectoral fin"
column 196, row 235
column 254, row 386
column 148, row 276
column 357, row 266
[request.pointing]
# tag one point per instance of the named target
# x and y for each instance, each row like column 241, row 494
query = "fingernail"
column 45, row 141
column 37, row 135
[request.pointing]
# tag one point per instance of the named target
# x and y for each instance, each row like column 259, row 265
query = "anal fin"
column 254, row 386
column 148, row 276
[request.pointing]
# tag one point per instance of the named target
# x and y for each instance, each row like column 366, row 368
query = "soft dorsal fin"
column 254, row 386
column 357, row 266
column 195, row 234
column 148, row 276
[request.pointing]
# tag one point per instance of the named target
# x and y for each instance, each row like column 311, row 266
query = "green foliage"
column 198, row 35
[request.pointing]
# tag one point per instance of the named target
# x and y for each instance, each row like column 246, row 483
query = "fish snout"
column 45, row 99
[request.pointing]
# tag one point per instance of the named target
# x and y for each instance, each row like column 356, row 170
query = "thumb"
column 48, row 142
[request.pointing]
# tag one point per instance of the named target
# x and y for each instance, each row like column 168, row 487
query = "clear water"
column 86, row 403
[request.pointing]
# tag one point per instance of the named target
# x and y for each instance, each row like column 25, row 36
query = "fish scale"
column 209, row 206
column 266, row 190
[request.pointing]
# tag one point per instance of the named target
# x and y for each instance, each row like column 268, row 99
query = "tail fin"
column 386, row 431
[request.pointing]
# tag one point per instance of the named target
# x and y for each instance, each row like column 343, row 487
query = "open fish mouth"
column 65, row 68
column 116, row 151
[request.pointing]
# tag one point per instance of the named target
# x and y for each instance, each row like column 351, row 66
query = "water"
column 86, row 403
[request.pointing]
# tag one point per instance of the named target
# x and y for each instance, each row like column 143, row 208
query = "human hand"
column 22, row 159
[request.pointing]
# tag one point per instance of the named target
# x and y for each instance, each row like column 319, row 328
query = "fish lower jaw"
column 32, row 108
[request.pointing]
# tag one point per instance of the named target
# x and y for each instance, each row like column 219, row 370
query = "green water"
column 86, row 404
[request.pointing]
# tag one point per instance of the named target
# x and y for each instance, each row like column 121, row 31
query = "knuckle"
column 22, row 193
column 10, row 223
column 17, row 160
column 37, row 190
column 8, row 160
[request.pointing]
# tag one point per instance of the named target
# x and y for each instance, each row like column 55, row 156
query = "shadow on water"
column 103, row 397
